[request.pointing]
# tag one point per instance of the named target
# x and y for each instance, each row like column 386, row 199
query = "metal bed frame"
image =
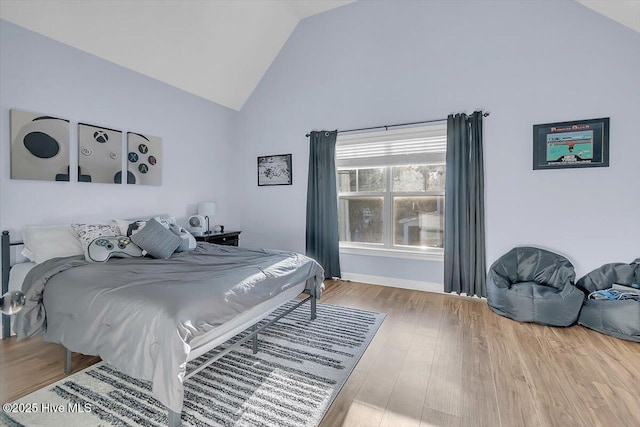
column 173, row 417
column 6, row 266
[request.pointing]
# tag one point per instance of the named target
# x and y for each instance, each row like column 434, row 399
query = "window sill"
column 392, row 253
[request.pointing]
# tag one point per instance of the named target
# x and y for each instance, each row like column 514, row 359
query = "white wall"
column 41, row 75
column 527, row 62
column 367, row 63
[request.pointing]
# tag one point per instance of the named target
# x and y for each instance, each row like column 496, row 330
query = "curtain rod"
column 386, row 127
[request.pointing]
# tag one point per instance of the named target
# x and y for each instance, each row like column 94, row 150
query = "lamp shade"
column 207, row 209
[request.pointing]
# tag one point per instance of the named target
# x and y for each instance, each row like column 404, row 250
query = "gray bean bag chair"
column 533, row 285
column 621, row 318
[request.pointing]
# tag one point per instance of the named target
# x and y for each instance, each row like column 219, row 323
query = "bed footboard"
column 6, row 266
column 174, row 418
column 67, row 361
column 312, row 293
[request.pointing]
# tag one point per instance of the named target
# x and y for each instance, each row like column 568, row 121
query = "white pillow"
column 87, row 233
column 50, row 241
column 187, row 241
column 166, row 222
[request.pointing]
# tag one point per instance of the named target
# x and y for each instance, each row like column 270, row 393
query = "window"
column 391, row 190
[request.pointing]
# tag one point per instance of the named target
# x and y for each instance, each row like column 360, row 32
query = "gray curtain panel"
column 464, row 238
column 322, row 203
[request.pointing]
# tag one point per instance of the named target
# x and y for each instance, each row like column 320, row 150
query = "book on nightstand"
column 632, row 289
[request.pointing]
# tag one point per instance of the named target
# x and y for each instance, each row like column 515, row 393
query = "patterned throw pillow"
column 87, row 233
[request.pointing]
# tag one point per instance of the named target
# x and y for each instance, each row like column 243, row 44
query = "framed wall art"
column 576, row 144
column 99, row 154
column 275, row 170
column 39, row 147
column 144, row 159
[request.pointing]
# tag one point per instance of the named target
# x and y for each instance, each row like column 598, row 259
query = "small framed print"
column 275, row 170
column 577, row 144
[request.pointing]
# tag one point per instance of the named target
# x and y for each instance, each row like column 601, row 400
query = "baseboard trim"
column 393, row 282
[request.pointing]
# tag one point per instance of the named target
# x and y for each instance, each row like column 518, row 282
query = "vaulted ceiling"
column 626, row 12
column 216, row 49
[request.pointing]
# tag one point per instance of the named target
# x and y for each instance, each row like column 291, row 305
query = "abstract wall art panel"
column 39, row 147
column 144, row 159
column 99, row 154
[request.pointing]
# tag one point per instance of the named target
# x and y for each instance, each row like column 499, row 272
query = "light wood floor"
column 439, row 360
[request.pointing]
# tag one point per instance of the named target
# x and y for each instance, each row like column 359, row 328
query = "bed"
column 149, row 317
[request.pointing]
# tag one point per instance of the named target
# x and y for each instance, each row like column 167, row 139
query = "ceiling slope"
column 626, row 12
column 216, row 49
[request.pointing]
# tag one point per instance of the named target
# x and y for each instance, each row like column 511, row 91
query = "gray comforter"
column 140, row 314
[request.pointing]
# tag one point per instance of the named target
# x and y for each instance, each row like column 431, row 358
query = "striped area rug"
column 291, row 382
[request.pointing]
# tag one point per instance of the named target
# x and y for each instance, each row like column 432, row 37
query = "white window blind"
column 391, row 190
column 424, row 144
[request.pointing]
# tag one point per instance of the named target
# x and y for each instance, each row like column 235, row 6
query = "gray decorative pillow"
column 156, row 240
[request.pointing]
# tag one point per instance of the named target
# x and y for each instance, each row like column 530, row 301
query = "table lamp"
column 207, row 210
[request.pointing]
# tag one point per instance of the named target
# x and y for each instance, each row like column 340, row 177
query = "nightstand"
column 229, row 238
